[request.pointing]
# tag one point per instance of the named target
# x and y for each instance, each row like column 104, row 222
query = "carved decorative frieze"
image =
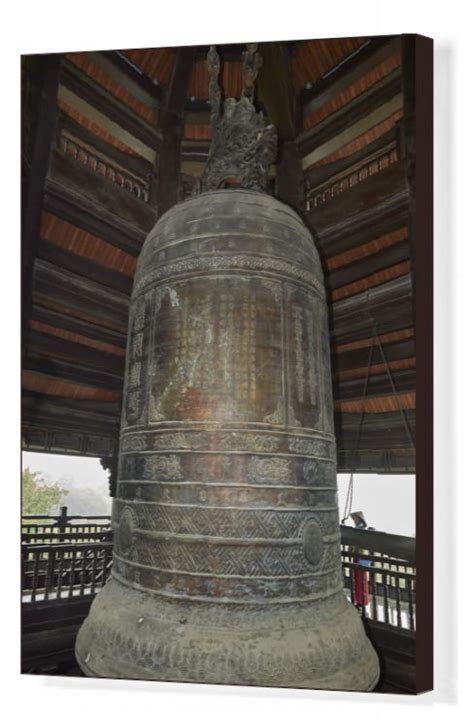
column 228, row 262
column 269, row 470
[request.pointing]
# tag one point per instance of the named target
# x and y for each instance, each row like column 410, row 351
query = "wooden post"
column 41, row 113
column 169, row 166
column 407, row 141
column 62, row 523
column 423, row 235
column 166, row 188
column 275, row 87
column 289, row 177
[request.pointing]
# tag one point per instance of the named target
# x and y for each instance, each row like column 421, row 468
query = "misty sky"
column 387, row 501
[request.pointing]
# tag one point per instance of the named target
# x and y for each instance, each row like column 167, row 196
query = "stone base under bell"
column 137, row 635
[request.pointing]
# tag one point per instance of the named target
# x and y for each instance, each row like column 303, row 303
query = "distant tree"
column 39, row 496
column 85, row 502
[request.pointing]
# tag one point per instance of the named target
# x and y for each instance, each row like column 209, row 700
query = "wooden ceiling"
column 315, row 58
column 96, row 193
column 156, row 63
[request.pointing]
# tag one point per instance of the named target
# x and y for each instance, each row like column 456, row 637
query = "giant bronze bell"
column 227, row 545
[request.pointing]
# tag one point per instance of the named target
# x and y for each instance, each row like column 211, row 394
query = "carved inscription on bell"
column 214, row 349
column 139, row 334
column 305, row 396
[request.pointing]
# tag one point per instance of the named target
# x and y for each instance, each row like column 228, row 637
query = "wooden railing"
column 64, row 571
column 64, row 528
column 347, row 179
column 72, row 556
column 379, row 575
column 98, row 163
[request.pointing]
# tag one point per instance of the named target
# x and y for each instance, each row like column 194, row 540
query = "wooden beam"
column 42, row 383
column 102, row 107
column 338, row 347
column 388, row 304
column 137, row 166
column 320, row 174
column 347, row 135
column 371, row 281
column 356, row 358
column 83, row 328
column 376, row 369
column 367, row 266
column 128, row 76
column 389, row 403
column 48, row 69
column 115, row 203
column 366, row 57
column 382, row 431
column 95, row 344
column 73, row 205
column 39, row 410
column 352, row 113
column 48, row 438
column 66, row 288
column 378, row 384
column 46, row 346
column 83, row 266
column 384, row 462
column 73, row 371
column 377, row 204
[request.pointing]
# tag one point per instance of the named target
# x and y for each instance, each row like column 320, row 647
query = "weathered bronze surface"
column 243, row 147
column 227, row 543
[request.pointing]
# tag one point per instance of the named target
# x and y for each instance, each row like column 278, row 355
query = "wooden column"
column 407, row 140
column 276, row 90
column 419, row 92
column 169, row 163
column 168, row 167
column 40, row 115
column 289, row 177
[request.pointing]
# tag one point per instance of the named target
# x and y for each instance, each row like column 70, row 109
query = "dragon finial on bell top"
column 243, row 147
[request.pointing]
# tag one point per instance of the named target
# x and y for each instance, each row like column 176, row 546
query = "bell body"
column 226, row 564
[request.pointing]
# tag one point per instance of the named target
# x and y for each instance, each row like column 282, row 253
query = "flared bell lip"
column 369, row 689
column 360, row 674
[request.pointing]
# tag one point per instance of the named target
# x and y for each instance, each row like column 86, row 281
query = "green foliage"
column 38, row 496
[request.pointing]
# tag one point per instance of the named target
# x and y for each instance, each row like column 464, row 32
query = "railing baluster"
column 94, row 570
column 34, row 585
column 397, row 595
column 83, row 571
column 60, row 574
column 101, row 166
column 104, row 574
column 411, row 618
column 352, row 578
column 72, row 571
column 48, row 582
column 367, row 169
column 386, row 610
